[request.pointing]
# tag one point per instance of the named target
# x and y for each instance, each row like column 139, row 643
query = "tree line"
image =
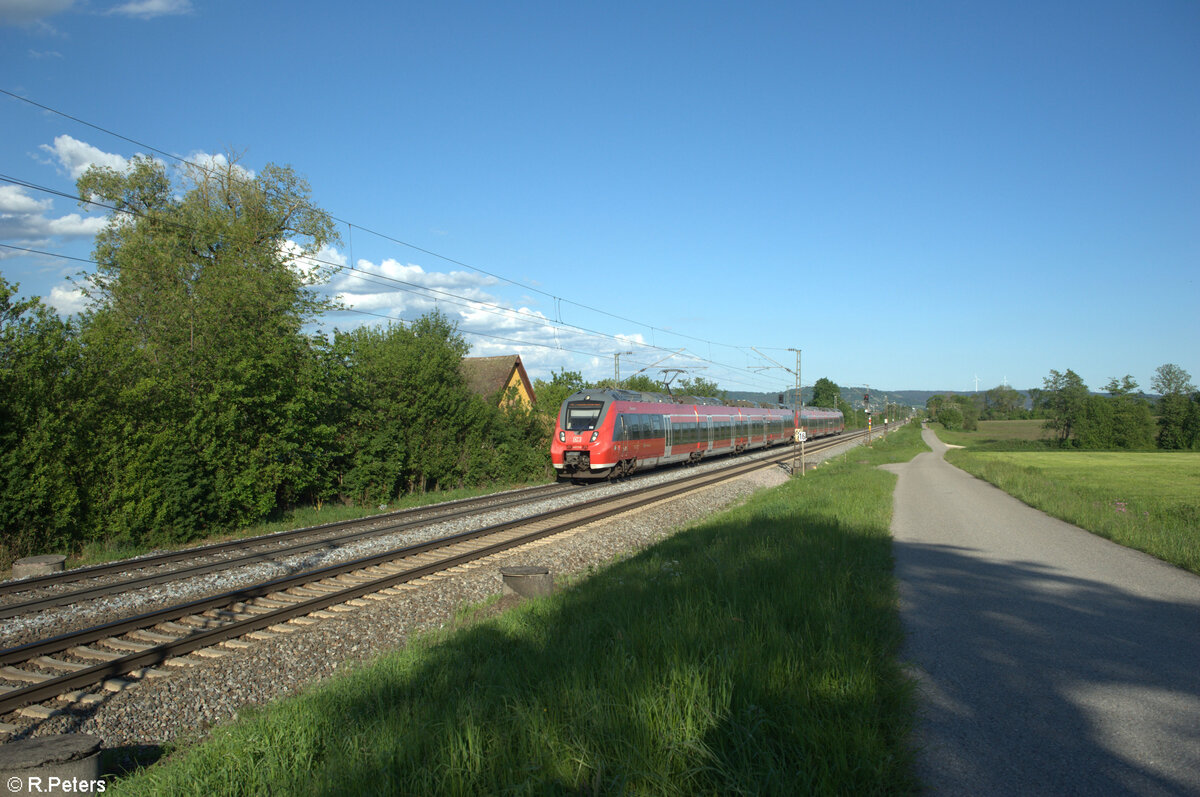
column 188, row 398
column 1121, row 418
column 191, row 399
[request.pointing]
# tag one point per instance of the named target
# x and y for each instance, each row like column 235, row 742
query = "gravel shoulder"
column 1049, row 660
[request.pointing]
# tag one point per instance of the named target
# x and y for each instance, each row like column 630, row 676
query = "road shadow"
column 1036, row 682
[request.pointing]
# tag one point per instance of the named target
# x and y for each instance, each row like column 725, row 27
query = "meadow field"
column 1000, row 435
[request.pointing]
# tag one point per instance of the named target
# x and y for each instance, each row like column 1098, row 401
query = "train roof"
column 613, row 394
column 649, row 398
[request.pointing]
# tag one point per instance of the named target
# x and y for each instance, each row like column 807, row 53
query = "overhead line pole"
column 800, row 416
column 799, row 400
column 617, row 368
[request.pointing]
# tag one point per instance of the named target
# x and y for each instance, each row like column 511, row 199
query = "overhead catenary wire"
column 404, row 285
column 367, row 313
column 357, row 311
column 350, row 225
column 374, row 232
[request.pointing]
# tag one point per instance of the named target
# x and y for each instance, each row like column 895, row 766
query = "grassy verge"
column 753, row 653
column 300, row 517
column 1146, row 500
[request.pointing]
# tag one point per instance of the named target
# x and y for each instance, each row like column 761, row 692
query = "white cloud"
column 13, row 199
column 149, row 9
column 492, row 325
column 23, row 221
column 67, row 301
column 73, row 225
column 371, row 276
column 75, row 156
column 400, row 290
column 24, row 12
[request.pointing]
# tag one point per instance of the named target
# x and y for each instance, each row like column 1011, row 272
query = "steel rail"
column 616, row 504
column 92, row 571
column 118, row 587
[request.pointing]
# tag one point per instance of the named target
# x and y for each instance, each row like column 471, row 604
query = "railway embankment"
column 751, row 649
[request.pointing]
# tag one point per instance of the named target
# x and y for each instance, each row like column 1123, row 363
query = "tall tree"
column 1037, row 401
column 1120, row 420
column 699, row 386
column 196, row 309
column 1171, row 379
column 643, row 383
column 1064, row 396
column 1003, row 403
column 43, row 441
column 408, row 409
column 1191, row 423
column 1175, row 386
column 968, row 408
column 826, row 393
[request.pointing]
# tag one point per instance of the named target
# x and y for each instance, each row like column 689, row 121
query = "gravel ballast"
column 185, row 703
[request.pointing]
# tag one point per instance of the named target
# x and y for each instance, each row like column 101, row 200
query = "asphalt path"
column 1048, row 660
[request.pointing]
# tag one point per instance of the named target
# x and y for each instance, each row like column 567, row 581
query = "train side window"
column 656, row 425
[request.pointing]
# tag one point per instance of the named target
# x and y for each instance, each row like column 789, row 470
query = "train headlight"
column 562, row 436
column 595, row 434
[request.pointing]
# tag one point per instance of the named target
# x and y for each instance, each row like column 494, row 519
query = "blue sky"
column 915, row 194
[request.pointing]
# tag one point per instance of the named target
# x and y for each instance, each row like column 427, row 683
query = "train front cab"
column 581, row 427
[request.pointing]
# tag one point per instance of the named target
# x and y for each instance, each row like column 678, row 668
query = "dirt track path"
column 1050, row 661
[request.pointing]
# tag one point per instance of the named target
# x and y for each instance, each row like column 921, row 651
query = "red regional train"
column 610, row 433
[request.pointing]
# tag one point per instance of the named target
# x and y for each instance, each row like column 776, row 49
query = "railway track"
column 35, row 594
column 43, row 676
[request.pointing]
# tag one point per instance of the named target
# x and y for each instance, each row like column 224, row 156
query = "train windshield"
column 582, row 415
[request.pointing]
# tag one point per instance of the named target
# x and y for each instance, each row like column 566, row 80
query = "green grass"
column 754, row 653
column 300, row 517
column 1000, row 435
column 1144, row 500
